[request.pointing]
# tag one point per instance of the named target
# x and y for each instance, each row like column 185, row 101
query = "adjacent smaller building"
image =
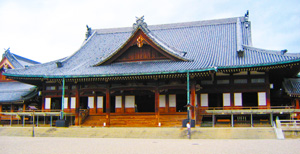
column 14, row 95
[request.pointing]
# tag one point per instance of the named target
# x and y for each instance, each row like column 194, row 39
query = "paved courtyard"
column 50, row 145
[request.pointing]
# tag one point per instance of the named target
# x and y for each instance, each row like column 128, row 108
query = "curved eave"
column 109, row 75
column 128, row 41
column 259, row 65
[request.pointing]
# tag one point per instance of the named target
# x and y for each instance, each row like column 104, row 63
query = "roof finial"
column 247, row 15
column 140, row 23
column 7, row 50
column 89, row 32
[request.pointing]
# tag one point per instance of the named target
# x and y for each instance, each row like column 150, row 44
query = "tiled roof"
column 14, row 91
column 18, row 61
column 208, row 44
column 292, row 86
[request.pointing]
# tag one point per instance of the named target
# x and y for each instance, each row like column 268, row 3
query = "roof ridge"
column 26, row 59
column 173, row 25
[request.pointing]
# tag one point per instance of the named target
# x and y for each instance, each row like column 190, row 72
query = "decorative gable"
column 142, row 46
column 4, row 64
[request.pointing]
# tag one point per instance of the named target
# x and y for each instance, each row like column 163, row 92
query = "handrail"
column 245, row 107
column 83, row 114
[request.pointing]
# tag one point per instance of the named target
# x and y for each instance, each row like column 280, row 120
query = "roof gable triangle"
column 143, row 46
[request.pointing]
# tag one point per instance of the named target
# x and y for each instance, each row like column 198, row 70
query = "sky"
column 47, row 30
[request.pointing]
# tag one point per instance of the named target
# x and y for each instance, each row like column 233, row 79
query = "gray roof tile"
column 208, row 44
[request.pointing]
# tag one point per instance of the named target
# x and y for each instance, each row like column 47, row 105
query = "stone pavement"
column 142, row 132
column 50, row 145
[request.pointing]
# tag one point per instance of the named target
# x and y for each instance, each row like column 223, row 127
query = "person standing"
column 188, row 126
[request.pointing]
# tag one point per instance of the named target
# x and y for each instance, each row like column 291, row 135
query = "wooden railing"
column 83, row 114
column 244, row 107
column 291, row 125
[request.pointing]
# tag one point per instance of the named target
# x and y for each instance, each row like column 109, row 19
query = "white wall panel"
column 73, row 102
column 238, row 99
column 226, row 99
column 47, row 103
column 100, row 102
column 162, row 100
column 262, row 99
column 91, row 102
column 204, row 99
column 172, row 100
column 129, row 101
column 66, row 102
column 118, row 101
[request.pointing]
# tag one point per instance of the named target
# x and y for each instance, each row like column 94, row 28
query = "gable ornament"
column 139, row 41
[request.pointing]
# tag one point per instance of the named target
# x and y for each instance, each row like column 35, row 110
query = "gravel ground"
column 51, row 145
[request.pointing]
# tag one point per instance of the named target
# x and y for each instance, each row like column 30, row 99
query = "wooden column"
column 268, row 93
column 43, row 103
column 193, row 94
column 157, row 105
column 0, row 108
column 69, row 104
column 123, row 103
column 77, row 104
column 297, row 107
column 297, row 103
column 107, row 106
column 95, row 103
column 43, row 98
column 167, row 104
column 231, row 99
column 24, row 107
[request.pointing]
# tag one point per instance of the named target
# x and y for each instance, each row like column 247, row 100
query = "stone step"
column 142, row 132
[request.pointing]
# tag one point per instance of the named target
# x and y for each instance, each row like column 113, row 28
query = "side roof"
column 292, row 86
column 206, row 44
column 18, row 61
column 15, row 92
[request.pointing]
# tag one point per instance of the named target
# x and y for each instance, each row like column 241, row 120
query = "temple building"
column 14, row 95
column 159, row 75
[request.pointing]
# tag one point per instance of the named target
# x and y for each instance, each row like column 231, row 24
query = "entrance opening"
column 181, row 101
column 250, row 99
column 56, row 103
column 83, row 102
column 145, row 103
column 215, row 100
column 112, row 104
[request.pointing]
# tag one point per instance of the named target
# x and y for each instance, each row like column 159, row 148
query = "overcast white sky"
column 46, row 30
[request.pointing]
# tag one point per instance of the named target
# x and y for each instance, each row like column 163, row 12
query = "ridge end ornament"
column 140, row 23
